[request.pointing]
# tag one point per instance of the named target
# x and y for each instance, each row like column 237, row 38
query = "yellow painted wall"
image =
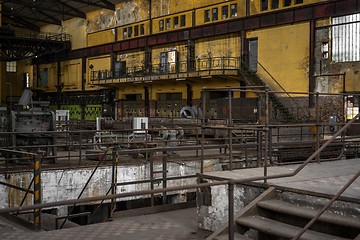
column 180, row 47
column 221, row 46
column 200, row 13
column 282, row 49
column 102, row 37
column 52, row 77
column 76, row 27
column 134, row 59
column 165, row 7
column 71, row 74
column 255, row 7
column 99, row 63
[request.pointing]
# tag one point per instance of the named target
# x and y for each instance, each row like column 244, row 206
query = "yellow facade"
column 189, row 65
column 281, row 49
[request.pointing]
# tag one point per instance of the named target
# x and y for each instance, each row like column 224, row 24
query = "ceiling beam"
column 77, row 12
column 22, row 23
column 106, row 4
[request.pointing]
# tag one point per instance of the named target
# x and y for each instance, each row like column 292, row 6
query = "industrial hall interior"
column 180, row 120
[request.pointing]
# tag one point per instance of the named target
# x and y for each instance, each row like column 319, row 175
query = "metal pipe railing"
column 328, row 204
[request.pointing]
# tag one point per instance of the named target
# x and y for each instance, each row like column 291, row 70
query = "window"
column 161, row 25
column 168, row 26
column 233, row 8
column 264, row 5
column 136, row 30
column 299, row 1
column 274, row 4
column 182, row 20
column 11, row 66
column 287, row 3
column 215, row 14
column 325, row 49
column 142, row 29
column 26, row 80
column 207, row 16
column 345, row 45
column 225, row 12
column 125, row 36
column 176, row 22
column 129, row 32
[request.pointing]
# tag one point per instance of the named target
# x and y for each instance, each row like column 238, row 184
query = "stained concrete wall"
column 67, row 184
column 211, row 217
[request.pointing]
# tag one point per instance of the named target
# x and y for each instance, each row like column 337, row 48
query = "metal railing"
column 200, row 64
column 230, row 184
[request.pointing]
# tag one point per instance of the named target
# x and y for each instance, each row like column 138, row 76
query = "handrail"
column 286, row 92
column 86, row 184
column 191, row 186
column 317, row 216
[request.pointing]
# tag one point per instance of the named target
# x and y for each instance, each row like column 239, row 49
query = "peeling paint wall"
column 125, row 13
column 65, row 184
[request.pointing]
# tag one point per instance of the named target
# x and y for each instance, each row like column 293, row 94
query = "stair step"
column 271, row 227
column 303, row 212
column 237, row 236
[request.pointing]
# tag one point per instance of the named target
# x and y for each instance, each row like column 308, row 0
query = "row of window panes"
column 166, row 24
column 274, row 4
column 213, row 15
column 138, row 31
column 11, row 66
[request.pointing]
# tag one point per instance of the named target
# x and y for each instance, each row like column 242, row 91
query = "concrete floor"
column 174, row 225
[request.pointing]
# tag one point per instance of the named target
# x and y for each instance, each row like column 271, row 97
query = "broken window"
column 176, row 22
column 167, row 23
column 299, row 1
column 264, row 5
column 346, row 38
column 287, row 3
column 215, row 14
column 225, row 12
column 233, row 9
column 274, row 4
column 142, row 29
column 125, row 33
column 325, row 49
column 129, row 32
column 136, row 30
column 207, row 16
column 182, row 21
column 161, row 25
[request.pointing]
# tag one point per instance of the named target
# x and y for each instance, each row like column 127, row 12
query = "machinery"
column 31, row 128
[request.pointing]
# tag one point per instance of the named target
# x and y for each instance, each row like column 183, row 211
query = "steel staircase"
column 252, row 79
column 270, row 217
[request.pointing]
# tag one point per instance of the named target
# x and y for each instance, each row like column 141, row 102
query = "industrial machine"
column 31, row 128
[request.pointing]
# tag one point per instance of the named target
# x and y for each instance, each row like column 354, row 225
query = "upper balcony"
column 181, row 70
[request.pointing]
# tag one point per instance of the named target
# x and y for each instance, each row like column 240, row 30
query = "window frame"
column 214, row 14
column 11, row 67
column 207, row 16
column 225, row 12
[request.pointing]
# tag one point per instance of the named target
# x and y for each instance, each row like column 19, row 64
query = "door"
column 253, row 54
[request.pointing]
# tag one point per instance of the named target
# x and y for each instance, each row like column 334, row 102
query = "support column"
column 312, row 84
column 189, row 95
column 37, row 192
column 146, row 101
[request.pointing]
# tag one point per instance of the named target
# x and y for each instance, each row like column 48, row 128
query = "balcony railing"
column 198, row 65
